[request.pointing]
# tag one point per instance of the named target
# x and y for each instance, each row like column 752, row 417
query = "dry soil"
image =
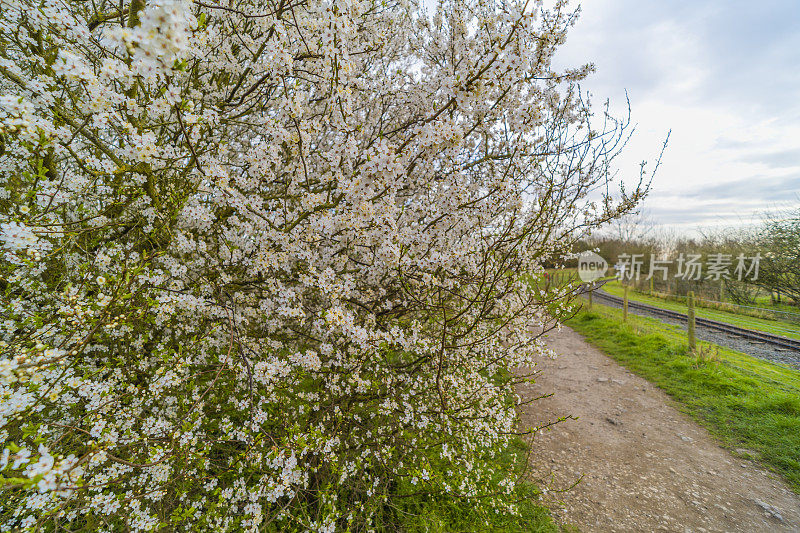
column 642, row 464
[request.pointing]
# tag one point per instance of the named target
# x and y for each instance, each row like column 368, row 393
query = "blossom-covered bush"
column 263, row 263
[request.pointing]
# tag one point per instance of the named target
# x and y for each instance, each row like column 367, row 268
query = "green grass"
column 444, row 513
column 777, row 327
column 787, row 304
column 745, row 402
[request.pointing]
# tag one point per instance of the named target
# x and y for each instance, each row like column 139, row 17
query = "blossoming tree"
column 263, row 261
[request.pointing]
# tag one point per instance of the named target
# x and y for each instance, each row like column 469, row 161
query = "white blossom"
column 257, row 255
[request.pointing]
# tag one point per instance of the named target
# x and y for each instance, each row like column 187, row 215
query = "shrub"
column 261, row 261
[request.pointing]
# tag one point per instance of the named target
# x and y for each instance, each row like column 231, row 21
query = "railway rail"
column 749, row 334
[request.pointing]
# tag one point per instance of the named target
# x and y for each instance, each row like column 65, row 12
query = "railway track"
column 749, row 334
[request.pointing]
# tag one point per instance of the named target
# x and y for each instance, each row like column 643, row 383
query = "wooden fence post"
column 691, row 321
column 625, row 305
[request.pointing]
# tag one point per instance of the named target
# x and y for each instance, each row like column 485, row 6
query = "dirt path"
column 645, row 465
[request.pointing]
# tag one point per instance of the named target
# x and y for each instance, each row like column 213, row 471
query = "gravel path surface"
column 754, row 348
column 645, row 465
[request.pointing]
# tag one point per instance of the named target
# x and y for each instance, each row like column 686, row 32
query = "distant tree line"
column 775, row 240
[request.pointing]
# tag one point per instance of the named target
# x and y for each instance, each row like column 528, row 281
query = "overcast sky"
column 724, row 76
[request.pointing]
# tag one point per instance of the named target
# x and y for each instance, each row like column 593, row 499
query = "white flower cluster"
column 162, row 37
column 15, row 236
column 16, row 114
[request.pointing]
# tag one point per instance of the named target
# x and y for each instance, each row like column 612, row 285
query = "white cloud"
column 723, row 76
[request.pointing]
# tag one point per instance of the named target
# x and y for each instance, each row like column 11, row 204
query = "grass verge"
column 446, row 513
column 745, row 402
